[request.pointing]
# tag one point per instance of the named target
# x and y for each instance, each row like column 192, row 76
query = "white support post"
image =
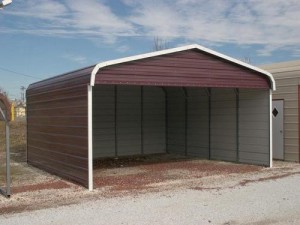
column 271, row 129
column 90, row 137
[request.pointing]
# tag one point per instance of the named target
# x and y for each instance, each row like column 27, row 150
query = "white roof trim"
column 173, row 50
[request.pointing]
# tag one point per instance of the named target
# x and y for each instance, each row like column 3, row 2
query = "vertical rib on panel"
column 223, row 124
column 254, row 126
column 103, row 121
column 129, row 120
column 198, row 123
column 154, row 120
column 176, row 121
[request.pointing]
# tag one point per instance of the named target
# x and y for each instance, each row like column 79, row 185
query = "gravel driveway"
column 266, row 202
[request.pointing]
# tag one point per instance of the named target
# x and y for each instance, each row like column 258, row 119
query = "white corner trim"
column 178, row 49
column 90, row 137
column 271, row 128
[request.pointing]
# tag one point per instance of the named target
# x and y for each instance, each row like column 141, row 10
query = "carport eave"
column 178, row 49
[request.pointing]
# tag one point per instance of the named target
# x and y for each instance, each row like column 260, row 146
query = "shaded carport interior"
column 133, row 120
column 189, row 101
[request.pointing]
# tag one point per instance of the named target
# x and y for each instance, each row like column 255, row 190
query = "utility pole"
column 23, row 94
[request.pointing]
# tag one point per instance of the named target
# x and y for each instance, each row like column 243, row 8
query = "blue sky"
column 40, row 39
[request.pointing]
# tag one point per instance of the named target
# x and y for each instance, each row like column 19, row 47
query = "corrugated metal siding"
column 176, row 120
column 128, row 120
column 57, row 125
column 188, row 126
column 133, row 128
column 287, row 89
column 254, row 134
column 287, row 77
column 198, row 123
column 154, row 120
column 187, row 68
column 223, row 124
column 104, row 121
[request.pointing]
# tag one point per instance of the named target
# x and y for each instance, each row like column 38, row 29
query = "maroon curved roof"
column 192, row 65
column 189, row 68
column 5, row 106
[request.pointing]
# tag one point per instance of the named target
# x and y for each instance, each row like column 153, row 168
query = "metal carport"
column 188, row 100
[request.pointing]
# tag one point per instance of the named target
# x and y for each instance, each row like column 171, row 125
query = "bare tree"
column 160, row 44
column 246, row 59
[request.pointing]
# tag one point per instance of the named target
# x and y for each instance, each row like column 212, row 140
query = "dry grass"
column 17, row 140
column 17, row 148
column 22, row 175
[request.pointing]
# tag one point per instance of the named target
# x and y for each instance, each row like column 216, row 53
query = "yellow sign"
column 12, row 108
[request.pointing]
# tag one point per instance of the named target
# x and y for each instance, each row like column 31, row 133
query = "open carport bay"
column 210, row 123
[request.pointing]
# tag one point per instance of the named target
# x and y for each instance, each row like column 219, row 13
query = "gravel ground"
column 163, row 189
column 266, row 202
column 137, row 178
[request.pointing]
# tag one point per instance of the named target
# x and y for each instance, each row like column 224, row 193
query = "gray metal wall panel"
column 154, row 124
column 287, row 89
column 128, row 124
column 254, row 126
column 176, row 121
column 128, row 120
column 103, row 121
column 287, row 75
column 223, row 124
column 198, row 122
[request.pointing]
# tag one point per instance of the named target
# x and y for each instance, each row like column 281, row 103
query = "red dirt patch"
column 13, row 209
column 129, row 182
column 126, row 161
column 40, row 186
column 207, row 167
column 204, row 188
column 158, row 171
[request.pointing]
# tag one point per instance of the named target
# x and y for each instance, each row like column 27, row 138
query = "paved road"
column 268, row 202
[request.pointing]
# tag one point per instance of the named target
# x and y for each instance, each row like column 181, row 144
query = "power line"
column 21, row 74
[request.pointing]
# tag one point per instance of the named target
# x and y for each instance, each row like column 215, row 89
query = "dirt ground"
column 34, row 189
